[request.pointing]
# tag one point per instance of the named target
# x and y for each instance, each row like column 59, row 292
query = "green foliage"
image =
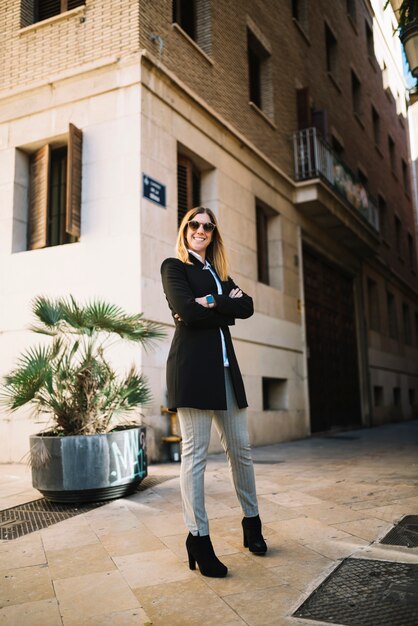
column 71, row 380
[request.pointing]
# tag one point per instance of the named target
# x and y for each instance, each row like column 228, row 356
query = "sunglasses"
column 208, row 227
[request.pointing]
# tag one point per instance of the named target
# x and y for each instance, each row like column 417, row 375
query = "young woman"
column 204, row 381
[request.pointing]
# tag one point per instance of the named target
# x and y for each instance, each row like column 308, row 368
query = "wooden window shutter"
column 38, row 199
column 184, row 187
column 74, row 163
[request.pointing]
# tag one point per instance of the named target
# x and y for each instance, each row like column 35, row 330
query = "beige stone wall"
column 105, row 104
column 271, row 343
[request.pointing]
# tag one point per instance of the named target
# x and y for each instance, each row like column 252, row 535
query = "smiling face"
column 199, row 240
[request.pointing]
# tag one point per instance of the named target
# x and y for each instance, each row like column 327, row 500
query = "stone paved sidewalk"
column 124, row 564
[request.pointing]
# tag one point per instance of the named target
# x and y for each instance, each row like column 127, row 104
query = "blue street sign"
column 153, row 190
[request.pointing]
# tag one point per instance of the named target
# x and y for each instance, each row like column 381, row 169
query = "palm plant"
column 71, row 380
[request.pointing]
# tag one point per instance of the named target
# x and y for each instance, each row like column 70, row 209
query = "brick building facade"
column 289, row 122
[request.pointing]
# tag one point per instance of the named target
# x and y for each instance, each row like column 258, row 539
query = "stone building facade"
column 290, row 123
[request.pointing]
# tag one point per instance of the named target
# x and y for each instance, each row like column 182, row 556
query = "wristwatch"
column 210, row 300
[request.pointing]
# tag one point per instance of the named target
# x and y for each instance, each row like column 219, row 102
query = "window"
column 373, row 305
column 330, row 51
column 405, row 177
column 259, row 73
column 411, row 253
column 411, row 395
column 406, row 319
column 369, row 41
column 320, row 122
column 188, row 186
column 392, row 318
column 383, row 217
column 275, row 396
column 300, row 13
column 398, row 236
column 378, row 395
column 392, row 156
column 262, row 245
column 351, row 10
column 32, row 11
column 55, row 193
column 269, row 246
column 193, row 16
column 397, row 396
column 356, row 93
column 376, row 126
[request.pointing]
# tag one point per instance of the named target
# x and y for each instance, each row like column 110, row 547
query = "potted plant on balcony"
column 89, row 452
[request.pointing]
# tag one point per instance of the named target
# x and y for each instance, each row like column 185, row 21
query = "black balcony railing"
column 314, row 158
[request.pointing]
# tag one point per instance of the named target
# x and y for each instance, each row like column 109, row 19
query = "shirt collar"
column 199, row 258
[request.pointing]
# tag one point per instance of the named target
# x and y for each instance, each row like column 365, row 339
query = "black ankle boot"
column 253, row 539
column 200, row 549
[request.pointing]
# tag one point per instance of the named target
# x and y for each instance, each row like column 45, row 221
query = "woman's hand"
column 235, row 293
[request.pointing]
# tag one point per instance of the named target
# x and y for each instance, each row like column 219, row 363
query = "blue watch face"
column 210, row 299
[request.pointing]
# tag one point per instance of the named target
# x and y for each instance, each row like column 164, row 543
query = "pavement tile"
column 165, row 524
column 76, row 561
column 111, row 519
column 152, row 568
column 25, row 584
column 40, row 613
column 244, row 574
column 271, row 511
column 392, row 512
column 290, row 499
column 264, row 606
column 302, row 574
column 190, row 603
column 331, row 513
column 70, row 533
column 326, row 540
column 138, row 539
column 90, row 595
column 346, row 493
column 285, row 552
column 22, row 552
column 15, row 499
column 369, row 528
column 150, row 498
column 133, row 617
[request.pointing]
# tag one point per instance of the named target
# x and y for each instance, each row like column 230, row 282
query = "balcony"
column 329, row 194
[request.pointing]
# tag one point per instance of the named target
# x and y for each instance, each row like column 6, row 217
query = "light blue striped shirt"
column 207, row 266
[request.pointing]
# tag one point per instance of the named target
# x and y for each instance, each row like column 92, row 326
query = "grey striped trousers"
column 195, row 425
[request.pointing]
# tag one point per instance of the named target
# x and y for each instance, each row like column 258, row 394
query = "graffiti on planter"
column 127, row 459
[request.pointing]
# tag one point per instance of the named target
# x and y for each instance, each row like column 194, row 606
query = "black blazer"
column 195, row 369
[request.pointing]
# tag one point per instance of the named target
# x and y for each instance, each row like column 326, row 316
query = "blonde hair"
column 215, row 252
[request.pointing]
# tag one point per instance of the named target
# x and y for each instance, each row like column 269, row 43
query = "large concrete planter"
column 89, row 468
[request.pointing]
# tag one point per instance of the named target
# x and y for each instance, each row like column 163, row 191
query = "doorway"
column 333, row 373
